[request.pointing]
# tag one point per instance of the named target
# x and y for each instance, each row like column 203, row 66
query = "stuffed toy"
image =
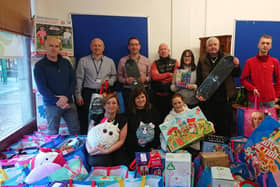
column 104, row 134
column 145, row 133
column 45, row 163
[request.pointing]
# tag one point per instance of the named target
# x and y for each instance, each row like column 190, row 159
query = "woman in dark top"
column 142, row 117
column 100, row 156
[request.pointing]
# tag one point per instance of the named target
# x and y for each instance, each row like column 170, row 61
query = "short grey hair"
column 212, row 39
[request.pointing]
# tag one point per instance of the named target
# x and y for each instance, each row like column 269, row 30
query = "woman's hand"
column 191, row 86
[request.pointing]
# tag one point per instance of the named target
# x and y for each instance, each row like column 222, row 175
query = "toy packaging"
column 263, row 152
column 216, row 77
column 178, row 169
column 183, row 77
column 185, row 129
column 214, row 143
column 210, row 159
column 221, row 176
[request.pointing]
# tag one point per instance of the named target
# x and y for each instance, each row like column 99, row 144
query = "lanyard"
column 97, row 71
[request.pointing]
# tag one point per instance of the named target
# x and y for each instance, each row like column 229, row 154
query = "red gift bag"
column 249, row 118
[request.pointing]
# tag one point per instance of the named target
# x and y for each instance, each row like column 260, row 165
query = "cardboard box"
column 178, row 169
column 221, row 176
column 210, row 159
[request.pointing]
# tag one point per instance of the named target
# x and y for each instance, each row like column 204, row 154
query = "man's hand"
column 256, row 92
column 62, row 101
column 129, row 80
column 103, row 82
column 200, row 98
column 276, row 100
column 142, row 79
column 236, row 61
column 80, row 101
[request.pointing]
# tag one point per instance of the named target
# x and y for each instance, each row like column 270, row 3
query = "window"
column 16, row 103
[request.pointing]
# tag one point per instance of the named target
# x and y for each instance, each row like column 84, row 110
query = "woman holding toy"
column 106, row 135
column 143, row 122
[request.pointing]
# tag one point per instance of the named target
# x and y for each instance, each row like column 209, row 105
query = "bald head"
column 52, row 46
column 163, row 50
column 97, row 47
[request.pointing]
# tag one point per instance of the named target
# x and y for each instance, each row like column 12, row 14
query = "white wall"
column 179, row 23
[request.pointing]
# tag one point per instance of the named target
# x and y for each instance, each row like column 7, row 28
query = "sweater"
column 54, row 78
column 261, row 74
column 133, row 121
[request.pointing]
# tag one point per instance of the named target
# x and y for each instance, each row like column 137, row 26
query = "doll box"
column 210, row 159
column 178, row 169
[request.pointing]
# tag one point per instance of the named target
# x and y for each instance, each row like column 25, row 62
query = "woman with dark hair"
column 143, row 121
column 115, row 155
column 184, row 79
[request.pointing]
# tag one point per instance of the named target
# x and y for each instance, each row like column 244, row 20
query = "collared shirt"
column 144, row 66
column 90, row 70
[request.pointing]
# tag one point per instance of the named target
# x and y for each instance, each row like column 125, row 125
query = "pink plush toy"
column 45, row 163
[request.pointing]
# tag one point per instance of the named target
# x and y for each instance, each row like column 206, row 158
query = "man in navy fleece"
column 55, row 79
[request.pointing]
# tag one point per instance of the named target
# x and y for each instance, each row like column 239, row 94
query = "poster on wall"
column 52, row 27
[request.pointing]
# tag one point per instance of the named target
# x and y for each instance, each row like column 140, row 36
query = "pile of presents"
column 41, row 160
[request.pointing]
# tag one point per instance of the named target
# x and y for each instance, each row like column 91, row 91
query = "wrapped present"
column 185, row 129
column 178, row 169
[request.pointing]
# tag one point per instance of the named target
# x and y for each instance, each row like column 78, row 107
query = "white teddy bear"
column 103, row 134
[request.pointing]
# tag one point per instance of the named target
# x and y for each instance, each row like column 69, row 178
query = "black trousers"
column 84, row 109
column 162, row 104
column 220, row 114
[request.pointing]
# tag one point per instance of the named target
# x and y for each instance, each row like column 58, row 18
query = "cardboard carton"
column 210, row 159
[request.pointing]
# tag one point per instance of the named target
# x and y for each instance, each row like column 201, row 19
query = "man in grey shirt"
column 92, row 71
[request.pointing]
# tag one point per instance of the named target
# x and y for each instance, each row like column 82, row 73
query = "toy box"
column 185, row 129
column 214, row 143
column 178, row 169
column 222, row 176
column 183, row 77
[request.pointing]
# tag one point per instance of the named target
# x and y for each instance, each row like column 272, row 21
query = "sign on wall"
column 52, row 27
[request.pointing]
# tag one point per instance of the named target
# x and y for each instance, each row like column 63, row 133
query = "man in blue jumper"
column 55, row 79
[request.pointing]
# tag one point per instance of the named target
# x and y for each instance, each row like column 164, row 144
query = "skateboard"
column 216, row 77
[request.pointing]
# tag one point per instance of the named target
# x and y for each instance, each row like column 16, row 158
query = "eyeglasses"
column 187, row 56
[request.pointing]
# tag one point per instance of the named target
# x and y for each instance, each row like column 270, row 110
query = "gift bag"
column 236, row 150
column 13, row 176
column 249, row 118
column 97, row 171
column 262, row 152
column 96, row 101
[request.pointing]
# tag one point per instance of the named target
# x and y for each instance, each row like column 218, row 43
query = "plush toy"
column 145, row 133
column 104, row 134
column 45, row 156
column 45, row 163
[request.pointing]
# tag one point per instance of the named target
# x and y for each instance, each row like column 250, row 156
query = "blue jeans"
column 54, row 114
column 269, row 104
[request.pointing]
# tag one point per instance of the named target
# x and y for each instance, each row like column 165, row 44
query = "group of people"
column 148, row 92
